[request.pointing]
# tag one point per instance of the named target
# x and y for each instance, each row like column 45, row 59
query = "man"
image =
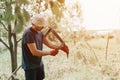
column 32, row 45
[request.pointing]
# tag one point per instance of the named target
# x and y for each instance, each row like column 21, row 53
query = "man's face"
column 39, row 28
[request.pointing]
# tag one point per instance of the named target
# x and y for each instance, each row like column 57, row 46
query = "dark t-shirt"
column 28, row 60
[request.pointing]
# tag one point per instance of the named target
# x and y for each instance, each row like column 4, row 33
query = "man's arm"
column 50, row 44
column 62, row 47
column 35, row 51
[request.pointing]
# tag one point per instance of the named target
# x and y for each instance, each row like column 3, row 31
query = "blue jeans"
column 35, row 74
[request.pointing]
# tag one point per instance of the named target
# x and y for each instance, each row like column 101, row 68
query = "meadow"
column 91, row 58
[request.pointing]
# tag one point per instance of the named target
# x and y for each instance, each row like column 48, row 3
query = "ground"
column 88, row 60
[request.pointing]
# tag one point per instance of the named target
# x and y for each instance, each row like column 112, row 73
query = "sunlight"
column 99, row 14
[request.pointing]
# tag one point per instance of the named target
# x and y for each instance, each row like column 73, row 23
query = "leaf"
column 19, row 23
column 55, row 9
column 26, row 15
column 19, row 15
column 38, row 1
column 17, row 9
column 22, row 16
column 20, row 2
column 51, row 4
column 8, row 16
column 46, row 5
column 18, row 28
column 61, row 1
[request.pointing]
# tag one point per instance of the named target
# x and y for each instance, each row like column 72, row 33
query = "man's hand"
column 65, row 49
column 54, row 52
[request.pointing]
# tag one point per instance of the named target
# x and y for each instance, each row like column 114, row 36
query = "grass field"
column 87, row 61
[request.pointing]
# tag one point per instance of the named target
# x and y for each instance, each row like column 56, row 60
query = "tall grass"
column 81, row 64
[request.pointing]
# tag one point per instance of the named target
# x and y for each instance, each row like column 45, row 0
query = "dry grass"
column 81, row 64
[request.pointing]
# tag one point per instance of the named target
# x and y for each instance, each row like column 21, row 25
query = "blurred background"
column 90, row 28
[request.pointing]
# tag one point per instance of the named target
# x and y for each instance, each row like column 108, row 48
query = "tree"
column 13, row 17
column 56, row 7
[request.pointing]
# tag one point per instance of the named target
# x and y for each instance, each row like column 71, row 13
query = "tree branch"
column 4, row 43
column 2, row 7
column 4, row 26
column 19, row 40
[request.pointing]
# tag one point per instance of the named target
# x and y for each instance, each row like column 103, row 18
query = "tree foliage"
column 13, row 17
column 55, row 9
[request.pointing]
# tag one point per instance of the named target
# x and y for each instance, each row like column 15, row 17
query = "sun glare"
column 99, row 14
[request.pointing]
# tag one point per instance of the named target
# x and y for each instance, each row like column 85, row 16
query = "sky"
column 101, row 14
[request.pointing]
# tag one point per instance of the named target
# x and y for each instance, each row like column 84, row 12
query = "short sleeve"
column 29, row 38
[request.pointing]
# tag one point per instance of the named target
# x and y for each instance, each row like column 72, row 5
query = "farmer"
column 32, row 45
